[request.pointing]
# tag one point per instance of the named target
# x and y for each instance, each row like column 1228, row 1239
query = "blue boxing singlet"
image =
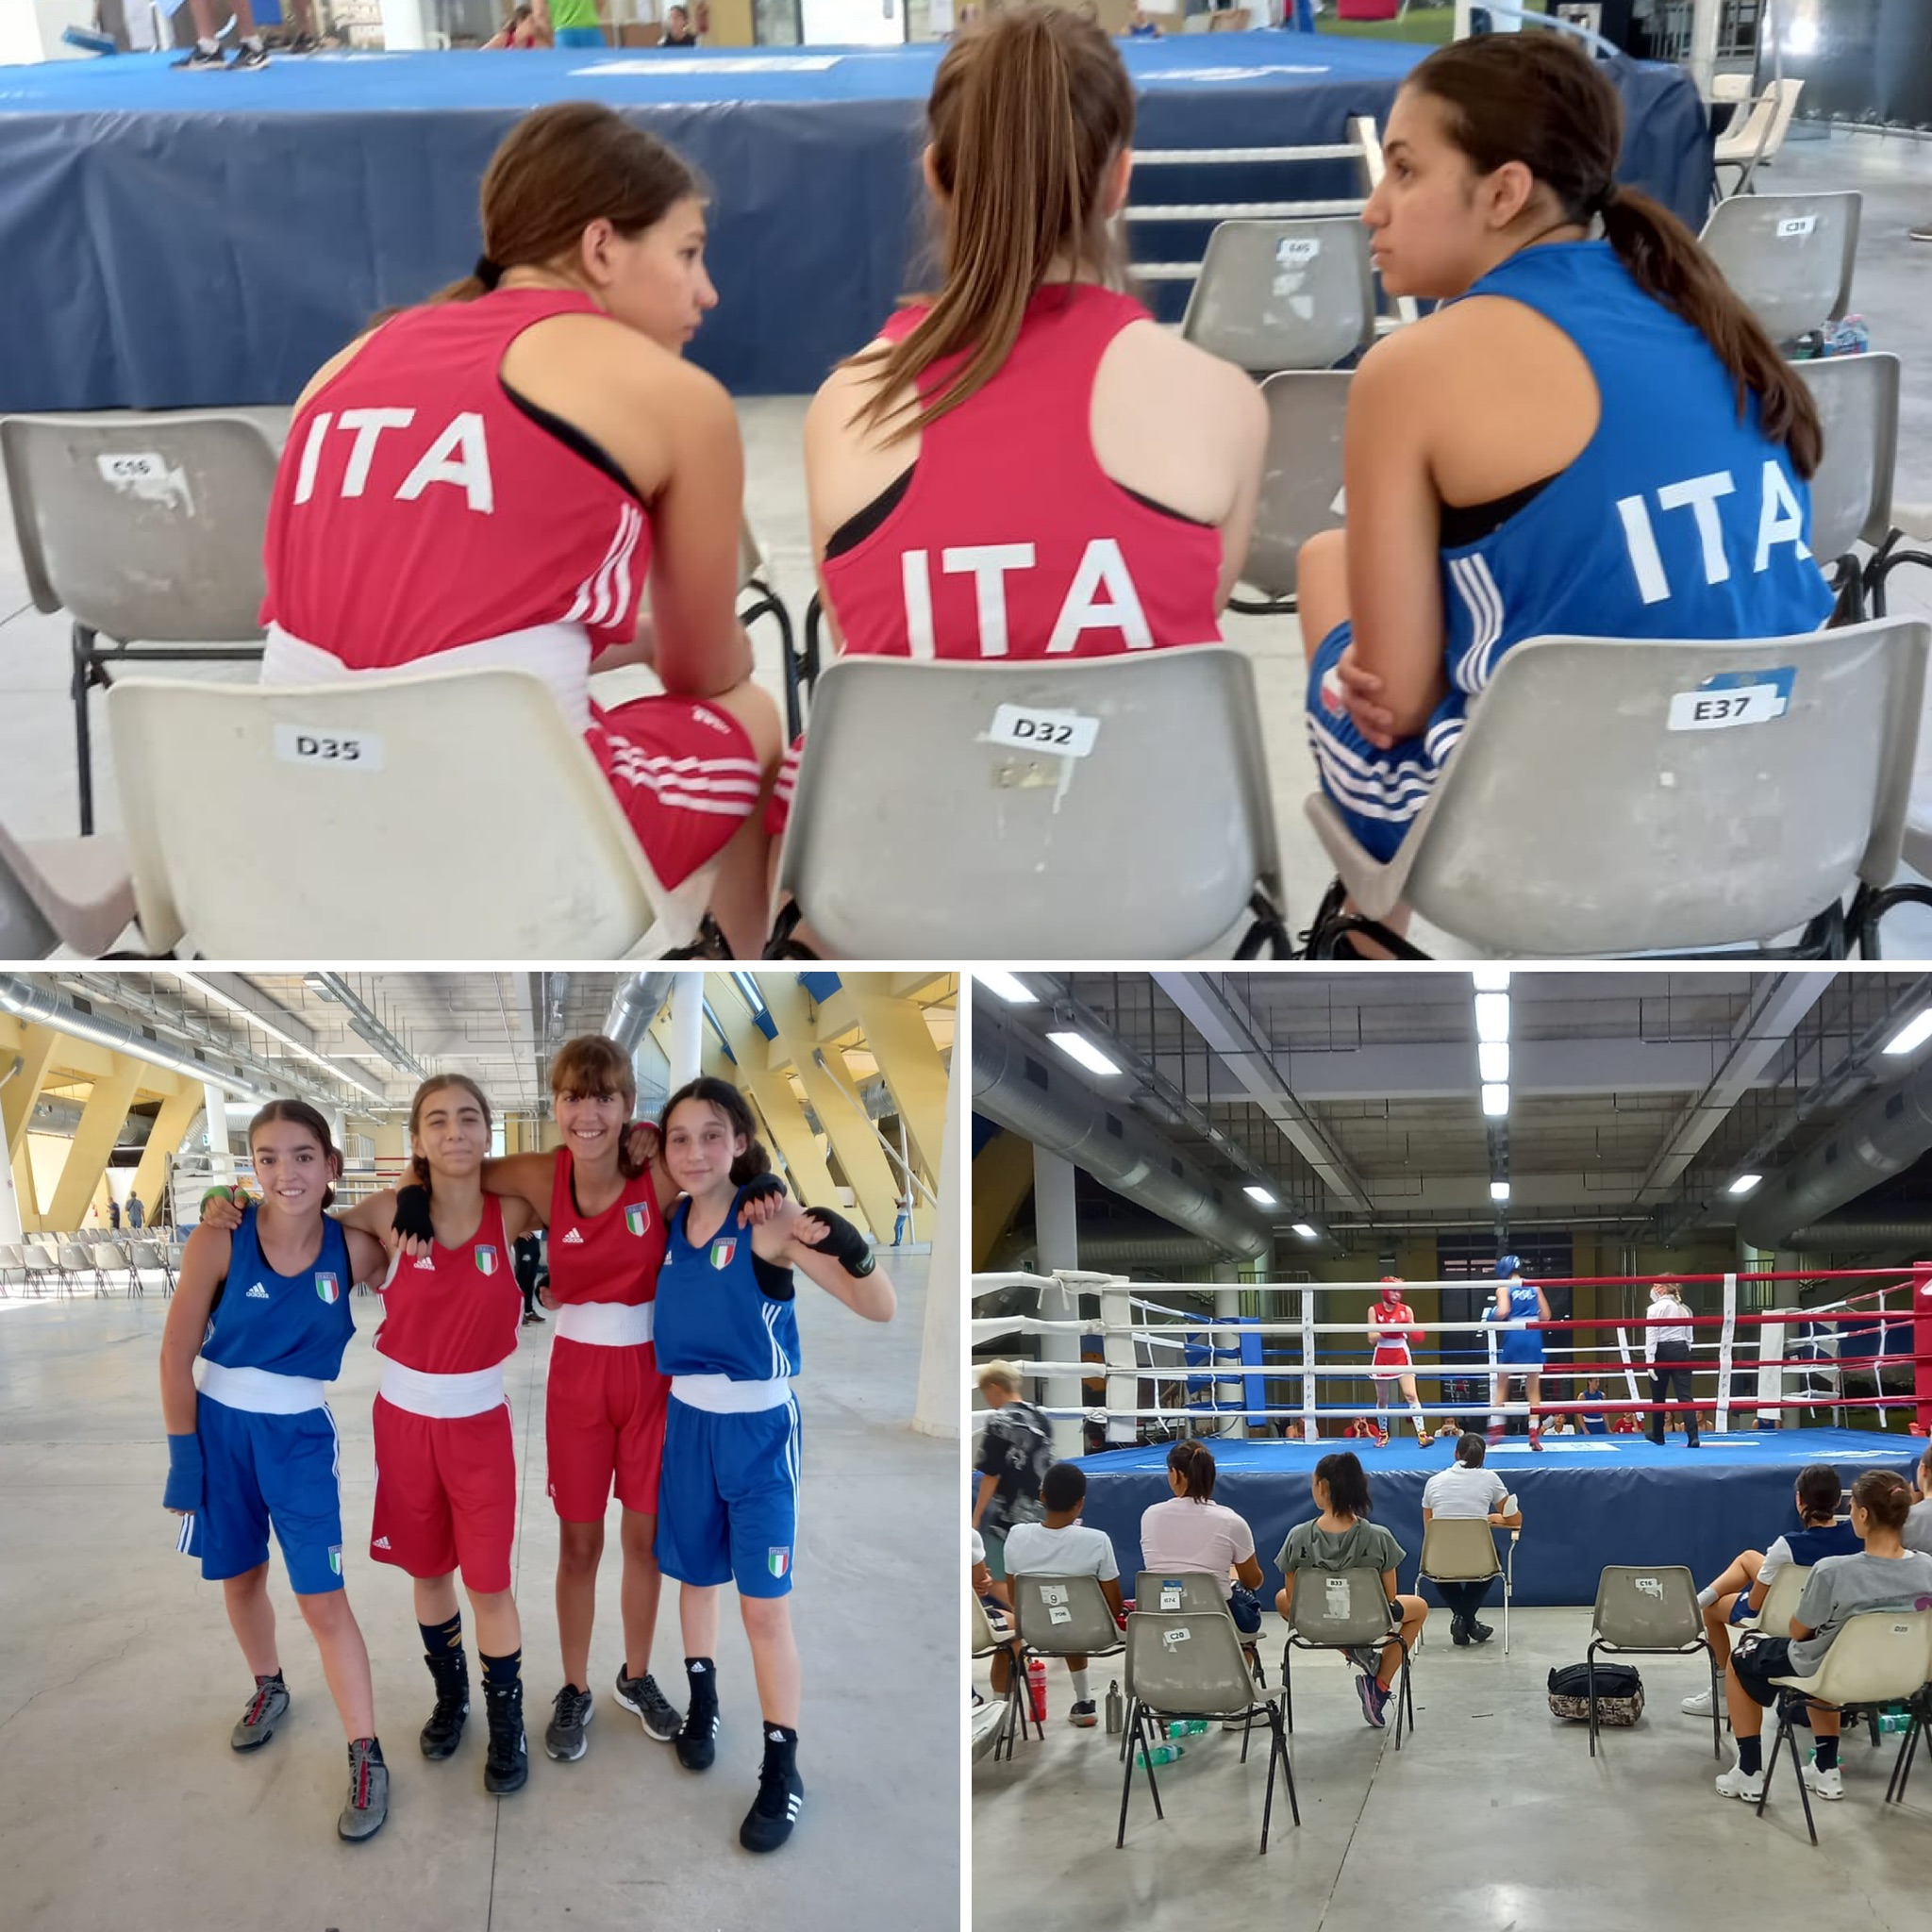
column 290, row 1324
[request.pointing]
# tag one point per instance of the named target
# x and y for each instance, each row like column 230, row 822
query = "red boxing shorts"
column 685, row 773
column 603, row 1422
column 445, row 1494
column 778, row 812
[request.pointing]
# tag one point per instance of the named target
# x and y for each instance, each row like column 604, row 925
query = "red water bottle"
column 1036, row 1686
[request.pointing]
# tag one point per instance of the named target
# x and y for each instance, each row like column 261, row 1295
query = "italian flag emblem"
column 637, row 1217
column 486, row 1260
column 334, row 1557
column 778, row 1561
column 722, row 1251
column 328, row 1287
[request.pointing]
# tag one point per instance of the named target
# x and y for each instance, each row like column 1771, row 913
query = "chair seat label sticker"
column 1066, row 732
column 1734, row 697
column 350, row 751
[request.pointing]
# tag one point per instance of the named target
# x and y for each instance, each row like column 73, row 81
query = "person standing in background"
column 577, row 23
column 529, row 1268
column 113, row 1215
column 1014, row 1456
column 678, row 31
column 136, row 1214
column 1667, row 1348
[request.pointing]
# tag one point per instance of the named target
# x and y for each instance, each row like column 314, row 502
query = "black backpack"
column 1619, row 1694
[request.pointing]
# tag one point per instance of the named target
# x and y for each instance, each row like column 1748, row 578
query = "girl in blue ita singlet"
column 252, row 1445
column 1591, row 436
column 727, row 1333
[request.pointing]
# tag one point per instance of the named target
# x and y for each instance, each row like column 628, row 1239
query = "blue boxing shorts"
column 727, row 1500
column 1519, row 1348
column 263, row 1471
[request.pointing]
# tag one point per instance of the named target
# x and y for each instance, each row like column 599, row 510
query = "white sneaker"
column 1734, row 1784
column 1698, row 1706
column 1824, row 1784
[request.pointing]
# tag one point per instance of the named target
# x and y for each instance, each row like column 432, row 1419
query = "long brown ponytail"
column 1539, row 99
column 1028, row 114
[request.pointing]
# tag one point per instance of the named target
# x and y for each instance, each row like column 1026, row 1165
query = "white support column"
column 1309, row 1394
column 1704, row 20
column 1122, row 1365
column 1057, row 1221
column 686, row 1046
column 1229, row 1389
column 220, row 1159
column 936, row 1409
column 1726, row 1339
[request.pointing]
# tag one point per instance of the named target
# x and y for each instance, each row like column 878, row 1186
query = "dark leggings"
column 1464, row 1599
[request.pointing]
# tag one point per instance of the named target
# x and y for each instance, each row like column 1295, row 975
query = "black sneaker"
column 1083, row 1715
column 445, row 1730
column 774, row 1810
column 1459, row 1634
column 368, row 1805
column 697, row 1736
column 202, row 59
column 1479, row 1633
column 660, row 1716
column 266, row 1709
column 508, row 1766
column 564, row 1738
column 247, row 59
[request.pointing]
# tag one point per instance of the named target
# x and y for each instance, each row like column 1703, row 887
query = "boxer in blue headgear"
column 1519, row 1350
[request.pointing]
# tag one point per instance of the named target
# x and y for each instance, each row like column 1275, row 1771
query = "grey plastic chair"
column 1650, row 1612
column 1301, row 482
column 924, row 773
column 1463, row 1550
column 38, row 1270
column 1347, row 1610
column 77, row 1261
column 1631, row 836
column 1188, row 1663
column 990, row 1734
column 10, row 1264
column 147, row 530
column 53, row 892
column 1193, row 1590
column 113, row 1255
column 1876, row 1657
column 1057, row 1616
column 144, row 1256
column 1788, row 256
column 1284, row 295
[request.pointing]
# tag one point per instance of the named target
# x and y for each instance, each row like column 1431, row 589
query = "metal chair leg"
column 81, row 645
column 1590, row 1685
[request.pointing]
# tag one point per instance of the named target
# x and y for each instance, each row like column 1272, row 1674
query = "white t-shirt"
column 1462, row 1492
column 1034, row 1550
column 1181, row 1534
column 978, row 1548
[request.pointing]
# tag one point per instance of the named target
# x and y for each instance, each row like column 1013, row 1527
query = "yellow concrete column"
column 35, row 1045
column 178, row 1114
column 94, row 1141
column 1002, row 1178
column 752, row 1072
column 853, row 1137
column 908, row 1061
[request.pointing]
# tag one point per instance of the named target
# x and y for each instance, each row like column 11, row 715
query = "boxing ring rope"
column 1206, row 1341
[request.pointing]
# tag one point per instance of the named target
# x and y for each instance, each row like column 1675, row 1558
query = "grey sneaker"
column 564, row 1736
column 368, row 1804
column 266, row 1709
column 660, row 1717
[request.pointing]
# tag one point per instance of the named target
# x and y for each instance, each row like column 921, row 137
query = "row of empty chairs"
column 72, row 1264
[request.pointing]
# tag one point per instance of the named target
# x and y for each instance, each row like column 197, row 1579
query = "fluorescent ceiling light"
column 1744, row 1183
column 1915, row 1032
column 749, row 988
column 1260, row 1194
column 1011, row 990
column 1490, row 978
column 1077, row 1046
column 1493, row 1017
column 1492, row 1059
column 1496, row 1099
column 1306, row 1233
column 1499, row 1191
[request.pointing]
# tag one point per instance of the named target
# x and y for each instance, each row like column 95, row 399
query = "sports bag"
column 1619, row 1694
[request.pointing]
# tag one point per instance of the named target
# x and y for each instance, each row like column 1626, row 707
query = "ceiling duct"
column 1123, row 1253
column 1014, row 1084
column 636, row 1003
column 1876, row 1140
column 1852, row 1233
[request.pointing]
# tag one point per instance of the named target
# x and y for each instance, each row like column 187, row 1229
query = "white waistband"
column 604, row 1324
column 723, row 1396
column 559, row 654
column 259, row 1389
column 423, row 1393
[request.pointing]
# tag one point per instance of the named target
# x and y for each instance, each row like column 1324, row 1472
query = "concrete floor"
column 1491, row 1818
column 122, row 1805
column 1892, row 289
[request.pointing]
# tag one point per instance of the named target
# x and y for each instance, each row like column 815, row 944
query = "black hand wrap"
column 763, row 1187
column 412, row 1217
column 842, row 1242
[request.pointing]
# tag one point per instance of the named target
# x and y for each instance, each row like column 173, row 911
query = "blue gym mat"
column 175, row 240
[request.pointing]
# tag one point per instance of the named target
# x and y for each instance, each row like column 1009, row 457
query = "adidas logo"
column 257, row 1293
column 381, row 1543
column 573, row 1240
column 792, row 1806
column 427, row 1262
column 776, row 1737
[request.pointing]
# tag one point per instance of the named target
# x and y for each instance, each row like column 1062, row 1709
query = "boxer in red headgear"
column 1392, row 1326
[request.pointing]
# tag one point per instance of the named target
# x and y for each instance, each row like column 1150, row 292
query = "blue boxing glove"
column 843, row 1242
column 185, row 1474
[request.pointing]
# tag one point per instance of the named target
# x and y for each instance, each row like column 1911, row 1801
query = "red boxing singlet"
column 418, row 507
column 1010, row 540
column 456, row 1311
column 612, row 1257
column 1395, row 1324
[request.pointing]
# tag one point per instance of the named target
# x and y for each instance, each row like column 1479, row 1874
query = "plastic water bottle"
column 1188, row 1727
column 1161, row 1754
column 1036, row 1686
column 1894, row 1722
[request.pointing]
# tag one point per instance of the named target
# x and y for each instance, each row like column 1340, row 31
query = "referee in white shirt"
column 1667, row 1348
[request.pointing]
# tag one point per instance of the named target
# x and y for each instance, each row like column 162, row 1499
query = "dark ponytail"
column 733, row 1105
column 1348, row 1484
column 1193, row 1462
column 1537, row 98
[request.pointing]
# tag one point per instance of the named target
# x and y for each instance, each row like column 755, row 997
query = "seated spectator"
column 1918, row 1535
column 1589, row 435
column 1884, row 1575
column 1739, row 1593
column 990, row 1591
column 1014, row 1453
column 1593, row 1419
column 1060, row 1545
column 678, row 31
column 1191, row 1531
column 521, row 29
column 1343, row 1538
column 1467, row 1491
column 1024, row 464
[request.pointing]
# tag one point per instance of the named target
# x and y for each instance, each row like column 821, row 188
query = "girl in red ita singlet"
column 1022, row 464
column 494, row 478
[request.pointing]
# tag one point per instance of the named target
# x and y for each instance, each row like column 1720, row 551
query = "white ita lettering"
column 458, row 456
column 1779, row 521
column 1101, row 597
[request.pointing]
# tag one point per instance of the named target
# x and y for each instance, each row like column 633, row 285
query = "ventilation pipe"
column 1860, row 1234
column 635, row 1005
column 1014, row 1084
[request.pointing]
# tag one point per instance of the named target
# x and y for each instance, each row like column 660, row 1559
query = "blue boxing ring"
column 174, row 240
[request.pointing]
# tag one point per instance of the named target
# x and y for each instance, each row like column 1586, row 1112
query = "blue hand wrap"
column 184, row 1473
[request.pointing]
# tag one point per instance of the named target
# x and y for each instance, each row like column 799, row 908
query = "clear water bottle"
column 1893, row 1724
column 1188, row 1727
column 1161, row 1754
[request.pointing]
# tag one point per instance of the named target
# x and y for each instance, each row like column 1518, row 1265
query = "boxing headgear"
column 1391, row 1289
column 1509, row 1266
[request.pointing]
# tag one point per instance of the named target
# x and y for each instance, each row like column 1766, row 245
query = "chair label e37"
column 1752, row 697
